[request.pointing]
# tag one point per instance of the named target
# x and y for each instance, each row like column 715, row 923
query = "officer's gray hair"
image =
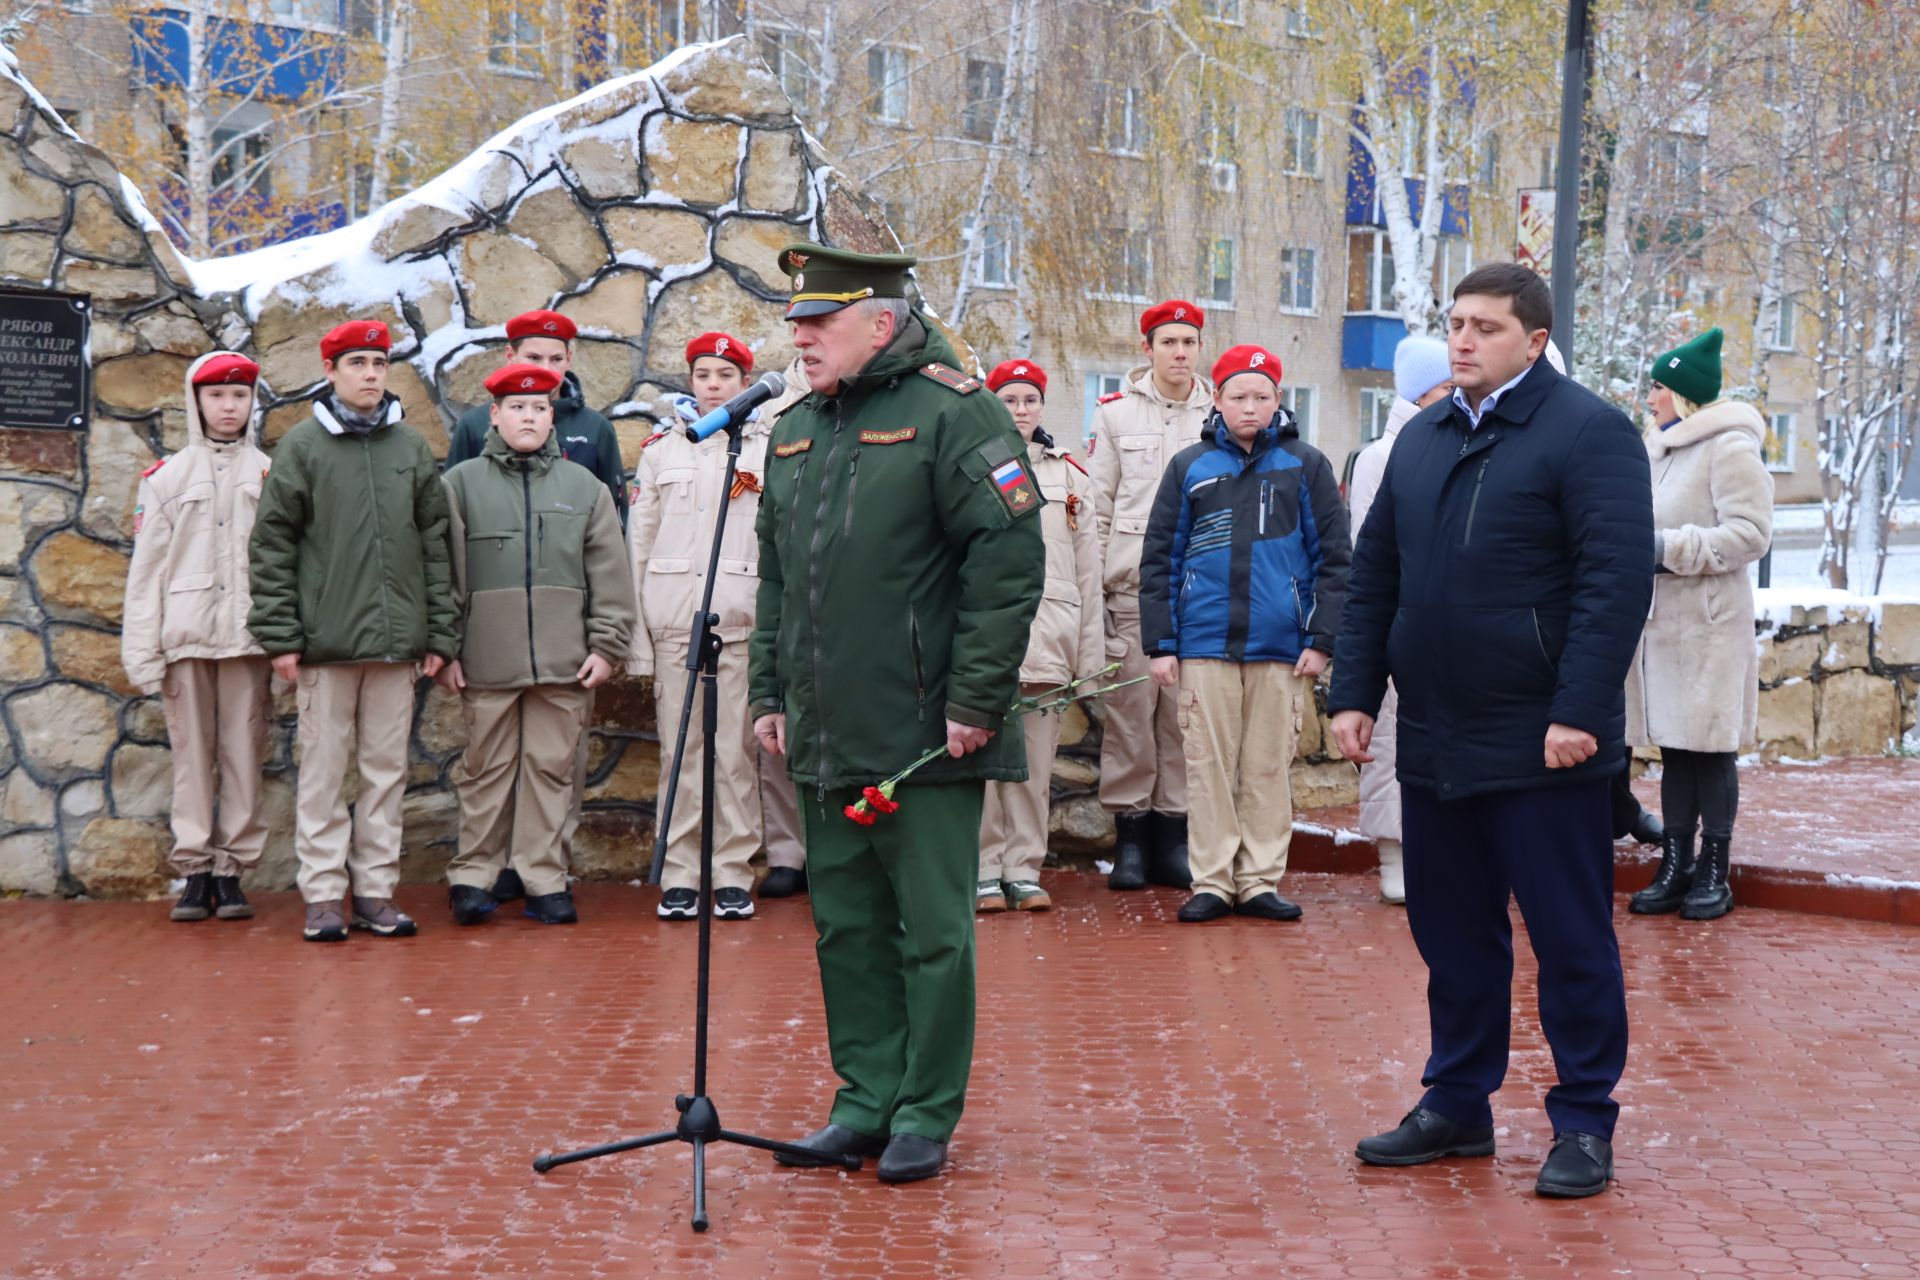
column 895, row 307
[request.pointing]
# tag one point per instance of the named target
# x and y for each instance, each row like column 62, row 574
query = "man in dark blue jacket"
column 1501, row 580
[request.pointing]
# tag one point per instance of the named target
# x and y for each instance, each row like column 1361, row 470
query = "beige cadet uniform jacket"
column 187, row 587
column 1134, row 438
column 676, row 498
column 1068, row 640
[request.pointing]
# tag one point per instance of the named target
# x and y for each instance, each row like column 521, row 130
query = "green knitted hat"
column 1692, row 369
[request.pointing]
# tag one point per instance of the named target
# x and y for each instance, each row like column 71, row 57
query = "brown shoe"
column 988, row 899
column 381, row 918
column 325, row 923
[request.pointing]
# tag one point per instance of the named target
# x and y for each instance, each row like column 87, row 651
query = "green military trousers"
column 893, row 908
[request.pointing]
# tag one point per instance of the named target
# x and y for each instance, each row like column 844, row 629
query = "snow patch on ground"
column 1843, row 880
column 1773, row 606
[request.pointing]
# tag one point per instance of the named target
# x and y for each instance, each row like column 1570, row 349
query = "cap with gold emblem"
column 825, row 280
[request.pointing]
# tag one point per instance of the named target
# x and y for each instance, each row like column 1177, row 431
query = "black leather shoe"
column 1129, row 852
column 196, row 901
column 1268, row 906
column 1711, row 896
column 1646, row 828
column 1424, row 1135
column 470, row 905
column 1670, row 882
column 551, row 908
column 784, row 882
column 1202, row 907
column 1167, row 864
column 228, row 902
column 1579, row 1165
column 832, row 1142
column 507, row 886
column 911, row 1158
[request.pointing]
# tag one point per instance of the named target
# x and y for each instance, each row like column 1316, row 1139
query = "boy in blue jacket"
column 1241, row 583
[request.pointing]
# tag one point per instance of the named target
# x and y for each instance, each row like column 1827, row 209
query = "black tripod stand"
column 699, row 1122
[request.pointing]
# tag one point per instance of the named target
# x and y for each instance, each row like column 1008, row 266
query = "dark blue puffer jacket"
column 1501, row 580
column 1246, row 551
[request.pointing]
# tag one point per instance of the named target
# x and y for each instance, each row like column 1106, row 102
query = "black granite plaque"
column 45, row 380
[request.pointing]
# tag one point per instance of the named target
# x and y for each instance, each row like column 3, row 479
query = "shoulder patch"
column 792, row 447
column 1110, row 397
column 899, row 436
column 155, row 467
column 950, row 378
column 650, row 439
column 1015, row 486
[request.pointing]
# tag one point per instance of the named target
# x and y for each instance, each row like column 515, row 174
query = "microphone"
column 735, row 411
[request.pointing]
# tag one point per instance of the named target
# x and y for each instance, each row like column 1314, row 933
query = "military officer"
column 1161, row 409
column 901, row 564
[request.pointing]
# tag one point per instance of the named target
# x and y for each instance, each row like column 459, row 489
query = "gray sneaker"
column 325, row 923
column 382, row 919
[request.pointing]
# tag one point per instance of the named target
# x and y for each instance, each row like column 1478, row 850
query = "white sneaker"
column 1393, row 879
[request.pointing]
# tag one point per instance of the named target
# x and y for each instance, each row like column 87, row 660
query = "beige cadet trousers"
column 344, row 707
column 779, row 810
column 217, row 723
column 736, row 772
column 1239, row 721
column 1141, row 765
column 1013, row 822
column 516, row 784
column 572, row 824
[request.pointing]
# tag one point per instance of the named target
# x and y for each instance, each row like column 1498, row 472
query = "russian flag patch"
column 1015, row 487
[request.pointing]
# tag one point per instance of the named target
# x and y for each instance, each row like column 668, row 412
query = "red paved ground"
column 1150, row 1100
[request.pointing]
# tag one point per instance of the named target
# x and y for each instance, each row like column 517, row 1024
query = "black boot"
column 1167, row 864
column 1646, row 828
column 1670, row 882
column 196, row 903
column 1711, row 896
column 1130, row 838
column 228, row 902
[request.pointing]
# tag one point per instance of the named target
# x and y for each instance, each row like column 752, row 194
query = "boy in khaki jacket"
column 185, row 635
column 543, row 610
column 1068, row 642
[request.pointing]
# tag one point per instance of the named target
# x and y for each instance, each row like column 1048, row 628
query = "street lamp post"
column 1566, row 201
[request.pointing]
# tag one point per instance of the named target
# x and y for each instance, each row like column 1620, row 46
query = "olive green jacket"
column 348, row 560
column 540, row 574
column 901, row 563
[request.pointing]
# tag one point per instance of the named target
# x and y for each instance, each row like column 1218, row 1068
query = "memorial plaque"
column 45, row 379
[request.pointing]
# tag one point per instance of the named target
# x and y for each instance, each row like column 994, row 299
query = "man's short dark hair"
column 1532, row 299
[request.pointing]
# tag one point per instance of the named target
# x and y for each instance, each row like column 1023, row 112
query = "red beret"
column 226, row 368
column 522, row 380
column 1246, row 358
column 355, row 335
column 1018, row 371
column 723, row 345
column 1172, row 311
column 541, row 324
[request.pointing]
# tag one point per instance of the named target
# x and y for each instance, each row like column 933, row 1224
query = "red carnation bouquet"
column 877, row 801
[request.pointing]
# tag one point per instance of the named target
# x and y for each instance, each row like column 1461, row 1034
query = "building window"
column 1778, row 448
column 1125, row 257
column 1302, row 142
column 1780, row 333
column 1301, row 402
column 1376, row 406
column 1121, row 112
column 986, row 86
column 994, row 254
column 1296, row 280
column 513, row 36
column 323, row 14
column 887, row 84
column 639, row 32
column 1221, row 268
column 1220, row 143
column 1222, row 11
column 1370, row 273
column 240, row 163
column 1490, row 160
column 899, row 215
column 1678, row 163
column 1300, row 23
column 1452, row 259
column 1098, row 384
column 786, row 54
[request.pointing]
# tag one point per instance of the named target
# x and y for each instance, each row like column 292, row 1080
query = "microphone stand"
column 699, row 1123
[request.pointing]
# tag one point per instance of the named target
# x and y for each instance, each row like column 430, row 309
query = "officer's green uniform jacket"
column 583, row 436
column 901, row 563
column 348, row 560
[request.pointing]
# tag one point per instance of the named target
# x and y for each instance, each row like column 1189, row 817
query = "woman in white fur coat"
column 1694, row 688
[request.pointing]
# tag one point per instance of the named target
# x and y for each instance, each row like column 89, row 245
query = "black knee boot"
column 1167, row 864
column 1671, row 882
column 1711, row 896
column 1130, row 838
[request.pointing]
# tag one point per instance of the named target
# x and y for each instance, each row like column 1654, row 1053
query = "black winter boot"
column 1130, row 838
column 1711, row 896
column 1670, row 882
column 1167, row 864
column 196, row 903
column 228, row 902
column 1629, row 818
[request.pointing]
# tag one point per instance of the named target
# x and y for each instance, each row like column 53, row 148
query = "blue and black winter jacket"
column 1246, row 551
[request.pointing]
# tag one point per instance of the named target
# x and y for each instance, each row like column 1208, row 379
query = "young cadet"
column 185, row 635
column 677, row 498
column 1067, row 642
column 544, row 610
column 545, row 339
column 349, row 574
column 1241, row 584
column 1143, row 774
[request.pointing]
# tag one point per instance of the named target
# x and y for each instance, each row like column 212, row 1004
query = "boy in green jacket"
column 348, row 564
column 545, row 611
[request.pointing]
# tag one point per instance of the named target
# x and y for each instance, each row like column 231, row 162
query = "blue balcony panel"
column 1368, row 341
column 244, row 59
column 1363, row 204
